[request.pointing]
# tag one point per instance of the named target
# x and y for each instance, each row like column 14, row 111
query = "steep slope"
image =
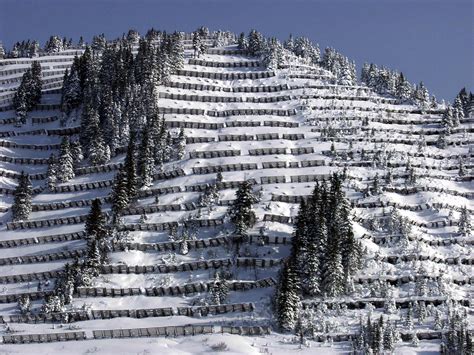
column 282, row 130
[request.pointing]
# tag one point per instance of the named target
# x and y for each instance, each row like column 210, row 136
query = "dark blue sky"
column 429, row 40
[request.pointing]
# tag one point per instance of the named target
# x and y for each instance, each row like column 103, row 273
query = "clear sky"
column 429, row 40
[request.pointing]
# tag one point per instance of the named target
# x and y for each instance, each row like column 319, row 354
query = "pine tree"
column 219, row 290
column 24, row 304
column 464, row 225
column 53, row 45
column 52, row 172
column 403, row 89
column 390, row 306
column 130, row 169
column 181, row 145
column 287, row 299
column 255, row 43
column 242, row 41
column 409, row 318
column 95, row 222
column 120, row 197
column 448, row 120
column 333, row 276
column 458, row 111
column 146, row 162
column 197, row 44
column 76, row 153
column 21, row 207
column 65, row 167
column 241, row 213
column 36, row 84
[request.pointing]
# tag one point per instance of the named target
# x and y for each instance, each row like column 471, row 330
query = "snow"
column 435, row 175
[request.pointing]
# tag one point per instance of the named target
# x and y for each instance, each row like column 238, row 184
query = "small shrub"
column 219, row 346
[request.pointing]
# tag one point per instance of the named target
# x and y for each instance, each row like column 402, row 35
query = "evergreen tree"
column 197, row 44
column 95, row 222
column 448, row 119
column 54, row 45
column 24, row 304
column 403, row 89
column 241, row 213
column 287, row 299
column 255, row 43
column 65, row 167
column 120, row 198
column 219, row 290
column 458, row 111
column 52, row 173
column 181, row 145
column 36, row 83
column 465, row 226
column 76, row 153
column 21, row 207
column 130, row 169
column 146, row 162
column 242, row 41
column 333, row 276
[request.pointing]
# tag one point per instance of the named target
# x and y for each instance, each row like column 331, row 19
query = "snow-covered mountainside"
column 176, row 266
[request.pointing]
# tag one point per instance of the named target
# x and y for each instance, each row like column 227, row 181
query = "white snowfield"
column 150, row 286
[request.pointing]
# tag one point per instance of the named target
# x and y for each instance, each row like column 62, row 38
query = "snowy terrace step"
column 189, row 266
column 311, row 76
column 68, row 131
column 210, row 98
column 417, row 189
column 413, row 141
column 169, row 246
column 432, row 225
column 37, row 276
column 13, row 298
column 15, row 175
column 418, row 207
column 171, row 290
column 251, row 112
column 226, row 51
column 392, row 239
column 45, row 69
column 13, row 243
column 226, row 75
column 425, row 132
column 208, row 63
column 380, row 302
column 6, row 191
column 458, row 260
column 44, row 258
column 372, row 152
column 24, row 161
column 82, row 218
column 372, row 109
column 190, row 330
column 43, row 338
column 166, row 268
column 200, row 98
column 107, row 183
column 296, row 199
column 166, row 331
column 79, row 316
column 237, row 89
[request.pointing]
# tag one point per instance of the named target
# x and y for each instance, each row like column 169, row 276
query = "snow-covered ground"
column 447, row 194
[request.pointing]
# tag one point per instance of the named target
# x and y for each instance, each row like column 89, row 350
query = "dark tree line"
column 28, row 94
column 324, row 253
column 386, row 81
column 274, row 54
column 116, row 91
column 81, row 273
